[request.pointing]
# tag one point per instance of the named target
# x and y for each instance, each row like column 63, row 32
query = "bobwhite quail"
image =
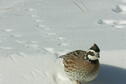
column 82, row 66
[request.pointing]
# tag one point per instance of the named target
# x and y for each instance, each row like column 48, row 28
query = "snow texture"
column 34, row 33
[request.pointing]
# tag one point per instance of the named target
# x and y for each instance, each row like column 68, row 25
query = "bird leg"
column 78, row 82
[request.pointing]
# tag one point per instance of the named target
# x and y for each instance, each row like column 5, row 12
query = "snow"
column 34, row 33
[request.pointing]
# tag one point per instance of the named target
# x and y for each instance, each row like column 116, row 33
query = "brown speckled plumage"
column 78, row 67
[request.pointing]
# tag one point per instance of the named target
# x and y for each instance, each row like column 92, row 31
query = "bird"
column 82, row 66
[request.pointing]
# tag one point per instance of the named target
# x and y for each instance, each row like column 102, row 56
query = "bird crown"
column 95, row 48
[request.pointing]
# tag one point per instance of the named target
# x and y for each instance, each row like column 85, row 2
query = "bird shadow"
column 110, row 75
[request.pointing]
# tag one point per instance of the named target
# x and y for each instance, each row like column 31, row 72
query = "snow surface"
column 33, row 33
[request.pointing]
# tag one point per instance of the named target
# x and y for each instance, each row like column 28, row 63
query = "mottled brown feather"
column 75, row 62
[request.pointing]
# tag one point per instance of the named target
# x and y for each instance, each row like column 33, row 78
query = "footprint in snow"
column 8, row 30
column 34, row 16
column 63, row 44
column 120, row 9
column 31, row 9
column 38, row 20
column 41, row 25
column 107, row 22
column 119, row 24
column 60, row 38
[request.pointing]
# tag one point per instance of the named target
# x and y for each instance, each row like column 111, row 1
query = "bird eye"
column 91, row 53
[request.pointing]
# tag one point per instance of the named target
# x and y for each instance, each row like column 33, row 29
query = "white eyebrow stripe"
column 91, row 51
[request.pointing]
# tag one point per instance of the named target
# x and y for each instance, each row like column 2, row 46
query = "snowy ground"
column 33, row 33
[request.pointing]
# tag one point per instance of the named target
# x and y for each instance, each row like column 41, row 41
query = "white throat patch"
column 92, row 57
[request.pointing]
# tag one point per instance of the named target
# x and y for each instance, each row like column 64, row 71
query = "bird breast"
column 79, row 69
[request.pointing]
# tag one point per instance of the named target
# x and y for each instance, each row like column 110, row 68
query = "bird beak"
column 98, row 55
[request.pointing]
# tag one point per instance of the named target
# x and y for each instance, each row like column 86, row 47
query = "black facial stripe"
column 91, row 53
column 94, row 61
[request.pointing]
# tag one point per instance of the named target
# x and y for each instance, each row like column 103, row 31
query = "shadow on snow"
column 110, row 75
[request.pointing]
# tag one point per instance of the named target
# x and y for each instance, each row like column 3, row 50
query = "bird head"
column 93, row 52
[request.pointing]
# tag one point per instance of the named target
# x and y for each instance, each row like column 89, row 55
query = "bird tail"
column 62, row 56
